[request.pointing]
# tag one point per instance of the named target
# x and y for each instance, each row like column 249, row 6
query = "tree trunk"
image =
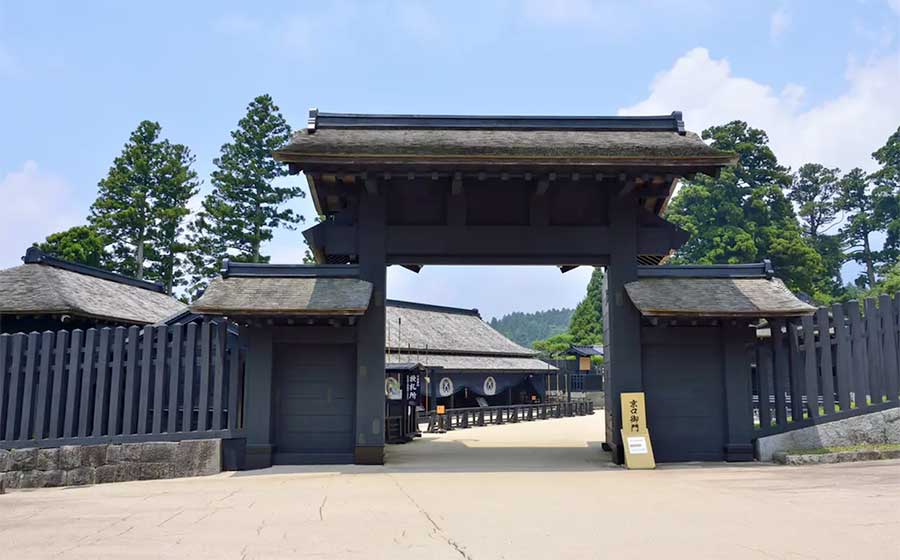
column 870, row 266
column 255, row 244
column 139, row 258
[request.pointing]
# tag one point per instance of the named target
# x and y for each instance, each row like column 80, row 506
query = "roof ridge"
column 452, row 352
column 432, row 307
column 34, row 255
column 672, row 122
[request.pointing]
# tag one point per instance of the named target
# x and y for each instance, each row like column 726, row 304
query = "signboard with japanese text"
column 635, row 433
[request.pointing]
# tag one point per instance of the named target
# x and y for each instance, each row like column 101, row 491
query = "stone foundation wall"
column 872, row 428
column 75, row 465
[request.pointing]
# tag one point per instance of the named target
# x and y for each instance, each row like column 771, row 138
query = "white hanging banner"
column 490, row 386
column 445, row 387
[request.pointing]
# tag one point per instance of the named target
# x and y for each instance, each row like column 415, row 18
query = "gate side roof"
column 715, row 291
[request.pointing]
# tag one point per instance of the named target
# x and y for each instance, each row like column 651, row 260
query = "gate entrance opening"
column 414, row 191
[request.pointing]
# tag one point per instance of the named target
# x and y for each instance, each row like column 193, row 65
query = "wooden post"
column 623, row 322
column 842, row 357
column 738, row 392
column 258, row 397
column 369, row 447
column 825, row 362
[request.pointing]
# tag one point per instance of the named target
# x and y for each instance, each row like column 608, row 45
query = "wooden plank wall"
column 79, row 385
column 840, row 362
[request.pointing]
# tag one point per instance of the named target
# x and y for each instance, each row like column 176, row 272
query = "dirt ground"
column 533, row 490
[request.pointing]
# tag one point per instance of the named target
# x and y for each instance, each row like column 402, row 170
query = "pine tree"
column 171, row 210
column 245, row 205
column 814, row 190
column 141, row 204
column 886, row 193
column 586, row 327
column 743, row 215
column 859, row 201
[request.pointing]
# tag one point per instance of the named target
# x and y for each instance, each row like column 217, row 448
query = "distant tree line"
column 141, row 224
column 586, row 325
column 525, row 328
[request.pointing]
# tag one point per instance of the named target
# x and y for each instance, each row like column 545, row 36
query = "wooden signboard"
column 584, row 363
column 635, row 434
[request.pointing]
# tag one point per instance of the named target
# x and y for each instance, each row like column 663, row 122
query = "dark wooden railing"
column 106, row 385
column 460, row 418
column 840, row 362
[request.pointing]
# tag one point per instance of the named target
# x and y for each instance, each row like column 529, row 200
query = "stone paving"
column 537, row 490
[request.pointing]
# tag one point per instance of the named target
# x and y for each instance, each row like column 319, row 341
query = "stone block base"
column 871, row 428
column 78, row 465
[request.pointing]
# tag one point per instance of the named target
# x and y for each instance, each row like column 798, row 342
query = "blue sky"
column 75, row 78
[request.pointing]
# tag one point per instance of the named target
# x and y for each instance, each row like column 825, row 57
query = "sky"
column 822, row 77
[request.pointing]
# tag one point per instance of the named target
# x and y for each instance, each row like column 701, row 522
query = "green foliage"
column 554, row 346
column 526, row 328
column 889, row 283
column 814, row 190
column 586, row 326
column 886, row 193
column 245, row 205
column 743, row 215
column 141, row 205
column 81, row 244
column 858, row 200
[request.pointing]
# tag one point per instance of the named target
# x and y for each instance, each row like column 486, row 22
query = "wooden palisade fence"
column 104, row 385
column 840, row 362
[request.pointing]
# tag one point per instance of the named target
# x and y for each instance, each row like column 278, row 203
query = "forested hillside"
column 525, row 328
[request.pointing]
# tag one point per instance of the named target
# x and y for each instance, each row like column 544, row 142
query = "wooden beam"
column 460, row 244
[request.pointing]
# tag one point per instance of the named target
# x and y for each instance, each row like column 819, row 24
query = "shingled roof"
column 285, row 290
column 45, row 285
column 530, row 139
column 749, row 291
column 452, row 338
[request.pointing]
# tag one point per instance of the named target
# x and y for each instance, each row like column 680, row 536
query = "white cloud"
column 894, row 5
column 35, row 204
column 779, row 23
column 842, row 131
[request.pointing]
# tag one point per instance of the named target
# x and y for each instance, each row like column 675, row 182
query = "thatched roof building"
column 50, row 293
column 454, row 339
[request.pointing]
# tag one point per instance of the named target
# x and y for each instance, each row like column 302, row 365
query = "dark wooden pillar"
column 369, row 448
column 258, row 398
column 623, row 321
column 736, row 341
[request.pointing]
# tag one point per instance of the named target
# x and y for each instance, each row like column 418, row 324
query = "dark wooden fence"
column 103, row 385
column 840, row 362
column 460, row 418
